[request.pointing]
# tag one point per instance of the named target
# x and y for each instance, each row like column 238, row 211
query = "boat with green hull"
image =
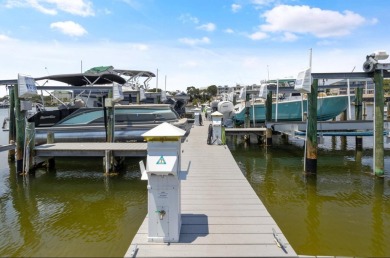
column 328, row 107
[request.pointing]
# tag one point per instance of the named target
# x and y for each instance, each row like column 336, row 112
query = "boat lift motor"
column 163, row 175
column 197, row 118
column 216, row 119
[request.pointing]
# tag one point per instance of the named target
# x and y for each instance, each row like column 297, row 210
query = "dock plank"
column 221, row 214
column 92, row 149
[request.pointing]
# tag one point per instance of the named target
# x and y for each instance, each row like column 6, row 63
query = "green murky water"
column 76, row 211
column 341, row 211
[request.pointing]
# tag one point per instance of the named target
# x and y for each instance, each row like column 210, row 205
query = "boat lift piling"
column 379, row 162
column 311, row 139
column 372, row 69
column 268, row 118
column 358, row 116
column 20, row 124
column 12, row 129
column 50, row 161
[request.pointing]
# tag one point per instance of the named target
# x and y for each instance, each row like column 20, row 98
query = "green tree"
column 154, row 90
column 212, row 90
column 192, row 92
column 386, row 85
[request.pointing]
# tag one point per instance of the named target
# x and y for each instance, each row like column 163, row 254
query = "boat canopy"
column 95, row 76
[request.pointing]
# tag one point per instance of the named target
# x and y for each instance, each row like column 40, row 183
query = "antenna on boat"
column 268, row 72
column 81, row 66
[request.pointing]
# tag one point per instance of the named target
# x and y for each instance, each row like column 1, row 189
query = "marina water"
column 75, row 210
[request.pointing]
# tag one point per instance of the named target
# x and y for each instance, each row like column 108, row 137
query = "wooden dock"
column 91, row 149
column 221, row 214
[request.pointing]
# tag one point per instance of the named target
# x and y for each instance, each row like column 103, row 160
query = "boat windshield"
column 121, row 116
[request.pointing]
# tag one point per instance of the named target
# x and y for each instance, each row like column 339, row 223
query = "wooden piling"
column 378, row 126
column 358, row 115
column 268, row 118
column 311, row 143
column 108, row 159
column 268, row 133
column 20, row 117
column 268, row 107
column 30, row 144
column 364, row 111
column 12, row 129
column 247, row 107
column 388, row 109
column 51, row 163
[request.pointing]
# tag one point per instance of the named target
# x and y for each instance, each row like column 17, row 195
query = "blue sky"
column 191, row 42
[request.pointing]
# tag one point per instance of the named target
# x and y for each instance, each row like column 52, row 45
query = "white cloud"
column 289, row 37
column 229, row 31
column 207, row 27
column 259, row 35
column 374, row 21
column 51, row 7
column 188, row 18
column 262, row 2
column 141, row 47
column 69, row 28
column 315, row 21
column 4, row 38
column 236, row 7
column 194, row 42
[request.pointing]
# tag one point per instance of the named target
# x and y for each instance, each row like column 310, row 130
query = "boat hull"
column 327, row 108
column 123, row 133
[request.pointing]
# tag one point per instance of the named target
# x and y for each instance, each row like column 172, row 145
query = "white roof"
column 164, row 129
column 216, row 113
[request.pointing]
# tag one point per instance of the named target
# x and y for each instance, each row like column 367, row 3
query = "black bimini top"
column 81, row 79
column 99, row 75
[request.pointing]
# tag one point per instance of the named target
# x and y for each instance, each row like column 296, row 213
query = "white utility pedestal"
column 163, row 175
column 197, row 115
column 216, row 119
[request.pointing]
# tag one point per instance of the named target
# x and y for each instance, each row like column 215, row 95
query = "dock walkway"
column 221, row 214
column 98, row 149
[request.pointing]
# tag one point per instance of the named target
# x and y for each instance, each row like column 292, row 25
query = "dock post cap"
column 216, row 114
column 164, row 130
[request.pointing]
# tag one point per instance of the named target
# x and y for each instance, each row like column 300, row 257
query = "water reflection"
column 343, row 210
column 66, row 212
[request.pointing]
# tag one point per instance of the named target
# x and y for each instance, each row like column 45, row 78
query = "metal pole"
column 349, row 100
column 253, row 111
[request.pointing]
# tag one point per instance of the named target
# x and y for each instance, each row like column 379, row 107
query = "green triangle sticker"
column 161, row 161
